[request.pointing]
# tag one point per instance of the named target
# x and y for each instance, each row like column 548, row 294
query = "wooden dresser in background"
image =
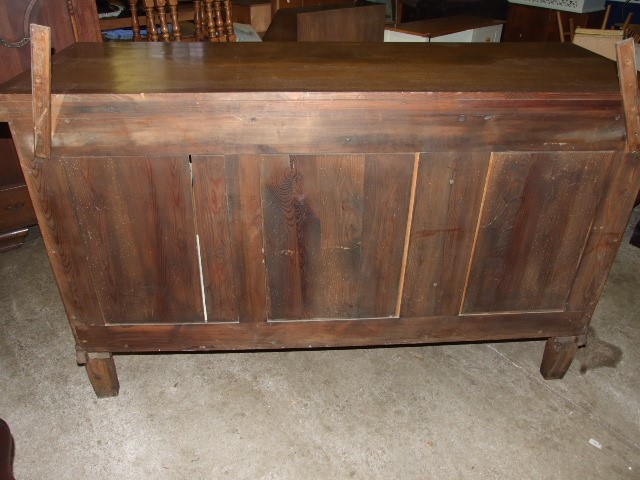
column 71, row 21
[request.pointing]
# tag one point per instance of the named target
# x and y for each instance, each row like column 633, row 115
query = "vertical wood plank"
column 52, row 203
column 136, row 218
column 606, row 232
column 333, row 233
column 212, row 219
column 41, row 88
column 534, row 223
column 242, row 174
column 448, row 196
column 287, row 224
column 628, row 78
column 387, row 190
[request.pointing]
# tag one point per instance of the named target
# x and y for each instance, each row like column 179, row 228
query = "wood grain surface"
column 536, row 217
column 136, row 220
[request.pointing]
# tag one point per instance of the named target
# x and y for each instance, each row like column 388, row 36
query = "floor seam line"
column 567, row 399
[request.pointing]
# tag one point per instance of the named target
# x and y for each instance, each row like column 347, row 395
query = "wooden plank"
column 41, row 86
column 136, row 219
column 325, row 238
column 332, row 242
column 387, row 192
column 242, row 177
column 448, row 196
column 628, row 79
column 535, row 220
column 329, row 122
column 212, row 220
column 606, row 231
column 330, row 332
column 289, row 225
column 51, row 198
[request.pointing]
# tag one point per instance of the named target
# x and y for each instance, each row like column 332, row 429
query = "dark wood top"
column 106, row 68
column 437, row 27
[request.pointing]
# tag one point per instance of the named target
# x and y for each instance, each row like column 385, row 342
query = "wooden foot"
column 558, row 355
column 102, row 373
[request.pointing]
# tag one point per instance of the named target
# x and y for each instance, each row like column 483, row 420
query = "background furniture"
column 73, row 21
column 536, row 24
column 459, row 28
column 256, row 13
column 328, row 194
column 211, row 19
column 358, row 21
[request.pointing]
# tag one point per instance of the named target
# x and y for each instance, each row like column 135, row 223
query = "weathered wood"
column 13, row 239
column 339, row 197
column 558, row 355
column 331, row 233
column 448, row 196
column 101, row 370
column 217, row 249
column 330, row 332
column 246, row 228
column 611, row 216
column 532, row 230
column 41, row 87
column 136, row 219
column 627, row 75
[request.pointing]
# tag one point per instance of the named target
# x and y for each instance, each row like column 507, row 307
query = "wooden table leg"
column 558, row 355
column 102, row 373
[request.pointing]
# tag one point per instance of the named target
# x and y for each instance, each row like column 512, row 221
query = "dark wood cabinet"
column 71, row 21
column 357, row 21
column 536, row 24
column 328, row 194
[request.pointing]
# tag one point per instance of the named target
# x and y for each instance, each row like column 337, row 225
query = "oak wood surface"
column 322, row 198
column 136, row 219
column 535, row 218
column 264, row 67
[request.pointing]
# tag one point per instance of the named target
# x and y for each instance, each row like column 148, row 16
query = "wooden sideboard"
column 303, row 195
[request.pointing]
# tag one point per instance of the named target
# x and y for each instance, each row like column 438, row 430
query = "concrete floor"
column 459, row 411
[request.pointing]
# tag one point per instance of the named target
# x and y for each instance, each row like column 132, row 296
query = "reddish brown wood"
column 532, row 231
column 145, row 224
column 330, row 332
column 527, row 23
column 101, row 370
column 15, row 205
column 629, row 89
column 213, row 228
column 13, row 239
column 448, row 196
column 135, row 22
column 41, row 81
column 558, row 355
column 359, row 21
column 246, row 228
column 329, row 189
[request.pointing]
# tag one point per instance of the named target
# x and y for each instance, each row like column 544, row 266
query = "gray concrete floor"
column 459, row 411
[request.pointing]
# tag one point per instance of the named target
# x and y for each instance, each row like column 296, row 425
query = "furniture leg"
column 102, row 374
column 558, row 355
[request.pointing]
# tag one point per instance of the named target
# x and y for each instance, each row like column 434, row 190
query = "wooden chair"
column 212, row 20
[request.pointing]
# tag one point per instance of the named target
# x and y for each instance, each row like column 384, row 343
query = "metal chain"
column 25, row 29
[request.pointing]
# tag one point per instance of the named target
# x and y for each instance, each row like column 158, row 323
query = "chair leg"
column 102, row 374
